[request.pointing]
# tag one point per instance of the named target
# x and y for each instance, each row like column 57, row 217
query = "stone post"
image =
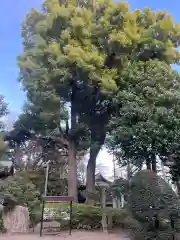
column 114, row 200
column 103, row 205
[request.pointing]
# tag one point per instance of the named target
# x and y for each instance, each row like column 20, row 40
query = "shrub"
column 152, row 201
column 87, row 216
column 23, row 192
column 35, row 216
column 132, row 224
column 2, row 228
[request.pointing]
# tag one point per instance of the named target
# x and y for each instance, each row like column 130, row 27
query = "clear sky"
column 11, row 17
column 12, row 13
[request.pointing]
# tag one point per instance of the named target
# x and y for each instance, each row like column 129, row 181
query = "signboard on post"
column 50, row 214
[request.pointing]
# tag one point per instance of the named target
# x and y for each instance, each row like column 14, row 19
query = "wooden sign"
column 57, row 199
column 49, row 214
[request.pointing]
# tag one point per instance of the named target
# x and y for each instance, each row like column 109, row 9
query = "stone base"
column 17, row 221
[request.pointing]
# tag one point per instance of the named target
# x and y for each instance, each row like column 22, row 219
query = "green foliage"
column 3, row 112
column 151, row 194
column 2, row 228
column 35, row 215
column 67, row 44
column 26, row 188
column 120, row 186
column 148, row 122
column 75, row 56
column 132, row 224
column 56, row 185
column 23, row 192
column 87, row 216
column 152, row 198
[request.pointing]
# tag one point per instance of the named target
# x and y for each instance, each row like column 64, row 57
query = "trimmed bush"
column 87, row 216
column 152, row 203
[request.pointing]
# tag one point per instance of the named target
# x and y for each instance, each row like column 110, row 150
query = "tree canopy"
column 147, row 125
column 78, row 64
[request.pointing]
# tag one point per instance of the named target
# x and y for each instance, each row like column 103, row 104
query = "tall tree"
column 147, row 125
column 151, row 42
column 76, row 55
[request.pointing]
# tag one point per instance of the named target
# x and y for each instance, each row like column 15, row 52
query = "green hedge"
column 87, row 216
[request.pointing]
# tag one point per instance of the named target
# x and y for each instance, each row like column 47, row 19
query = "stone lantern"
column 103, row 184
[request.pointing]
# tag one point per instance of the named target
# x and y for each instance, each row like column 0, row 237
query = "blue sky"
column 11, row 15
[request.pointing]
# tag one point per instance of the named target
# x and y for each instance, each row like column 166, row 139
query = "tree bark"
column 72, row 150
column 129, row 174
column 98, row 135
column 178, row 187
column 17, row 160
column 91, row 168
column 148, row 164
column 153, row 162
column 72, row 178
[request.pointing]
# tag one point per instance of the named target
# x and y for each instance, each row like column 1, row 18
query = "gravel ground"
column 74, row 236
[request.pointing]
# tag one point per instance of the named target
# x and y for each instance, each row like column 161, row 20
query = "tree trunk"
column 98, row 135
column 72, row 150
column 148, row 164
column 178, row 187
column 17, row 160
column 153, row 162
column 91, row 168
column 129, row 174
column 72, row 173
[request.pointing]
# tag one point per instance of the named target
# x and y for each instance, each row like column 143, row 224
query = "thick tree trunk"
column 153, row 162
column 91, row 168
column 148, row 164
column 72, row 150
column 98, row 135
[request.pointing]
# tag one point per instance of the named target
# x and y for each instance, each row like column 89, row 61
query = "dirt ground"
column 63, row 236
